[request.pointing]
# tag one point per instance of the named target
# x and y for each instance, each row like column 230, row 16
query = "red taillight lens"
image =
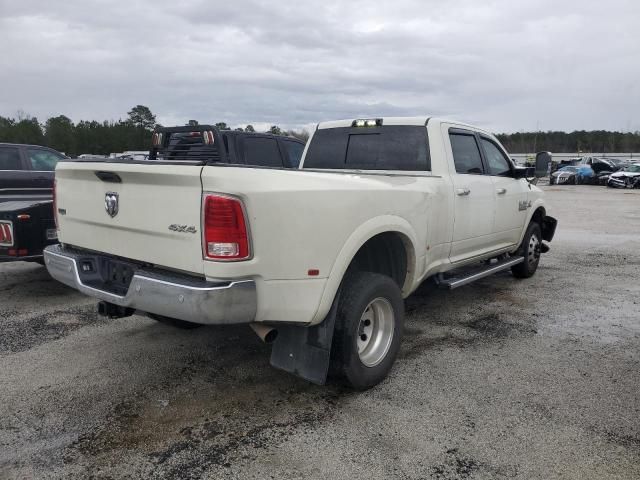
column 55, row 205
column 6, row 234
column 225, row 229
column 208, row 137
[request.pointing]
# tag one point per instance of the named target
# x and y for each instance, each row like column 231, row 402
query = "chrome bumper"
column 163, row 293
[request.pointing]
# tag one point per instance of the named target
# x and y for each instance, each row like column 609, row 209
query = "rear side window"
column 43, row 160
column 10, row 159
column 497, row 163
column 262, row 151
column 372, row 148
column 293, row 153
column 466, row 154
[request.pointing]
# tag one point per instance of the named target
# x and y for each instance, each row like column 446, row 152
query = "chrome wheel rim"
column 375, row 331
column 533, row 252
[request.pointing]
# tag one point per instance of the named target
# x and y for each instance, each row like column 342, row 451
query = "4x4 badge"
column 182, row 228
column 111, row 203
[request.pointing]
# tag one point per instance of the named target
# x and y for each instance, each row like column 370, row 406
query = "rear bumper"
column 164, row 293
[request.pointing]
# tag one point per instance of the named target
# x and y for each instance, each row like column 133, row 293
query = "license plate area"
column 117, row 276
column 106, row 274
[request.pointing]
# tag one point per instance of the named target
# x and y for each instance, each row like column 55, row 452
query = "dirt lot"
column 537, row 378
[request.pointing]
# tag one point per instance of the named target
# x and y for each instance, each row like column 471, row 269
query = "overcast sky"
column 505, row 65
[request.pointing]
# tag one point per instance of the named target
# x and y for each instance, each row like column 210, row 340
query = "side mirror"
column 543, row 163
column 524, row 172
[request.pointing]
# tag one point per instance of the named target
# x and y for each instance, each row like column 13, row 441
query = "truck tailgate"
column 158, row 211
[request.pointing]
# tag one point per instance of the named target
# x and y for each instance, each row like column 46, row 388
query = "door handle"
column 501, row 191
column 462, row 191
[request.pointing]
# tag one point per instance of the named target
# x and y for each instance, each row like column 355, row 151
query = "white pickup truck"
column 318, row 258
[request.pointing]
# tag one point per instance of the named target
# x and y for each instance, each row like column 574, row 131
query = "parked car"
column 564, row 176
column 599, row 165
column 588, row 170
column 318, row 258
column 26, row 211
column 628, row 177
column 618, row 162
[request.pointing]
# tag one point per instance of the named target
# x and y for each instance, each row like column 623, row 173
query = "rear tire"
column 368, row 331
column 174, row 322
column 530, row 249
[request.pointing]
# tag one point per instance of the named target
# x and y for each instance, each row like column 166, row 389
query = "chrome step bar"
column 501, row 265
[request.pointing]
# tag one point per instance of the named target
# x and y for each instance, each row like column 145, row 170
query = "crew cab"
column 316, row 259
column 26, row 212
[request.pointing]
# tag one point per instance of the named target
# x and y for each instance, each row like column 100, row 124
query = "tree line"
column 134, row 133
column 596, row 141
column 99, row 138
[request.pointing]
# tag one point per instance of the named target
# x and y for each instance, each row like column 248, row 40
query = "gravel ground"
column 536, row 378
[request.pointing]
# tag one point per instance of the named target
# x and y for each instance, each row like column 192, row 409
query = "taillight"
column 55, row 205
column 208, row 137
column 6, row 234
column 156, row 139
column 225, row 229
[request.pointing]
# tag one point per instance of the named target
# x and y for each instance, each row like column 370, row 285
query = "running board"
column 456, row 282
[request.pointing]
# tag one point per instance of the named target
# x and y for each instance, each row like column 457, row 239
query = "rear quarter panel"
column 301, row 220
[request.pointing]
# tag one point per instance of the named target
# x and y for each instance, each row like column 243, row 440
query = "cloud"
column 505, row 65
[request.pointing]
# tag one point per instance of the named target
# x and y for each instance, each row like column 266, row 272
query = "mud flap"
column 306, row 351
column 548, row 227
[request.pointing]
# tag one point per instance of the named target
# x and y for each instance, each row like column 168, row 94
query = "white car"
column 319, row 258
column 628, row 177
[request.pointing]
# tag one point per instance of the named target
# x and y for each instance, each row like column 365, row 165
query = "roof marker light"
column 367, row 122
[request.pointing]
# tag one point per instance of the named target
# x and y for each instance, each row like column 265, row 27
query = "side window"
column 262, row 151
column 293, row 153
column 498, row 164
column 10, row 159
column 466, row 154
column 43, row 160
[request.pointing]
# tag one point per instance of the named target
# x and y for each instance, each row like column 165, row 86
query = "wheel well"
column 386, row 253
column 538, row 216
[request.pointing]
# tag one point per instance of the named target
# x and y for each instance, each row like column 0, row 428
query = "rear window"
column 372, row 148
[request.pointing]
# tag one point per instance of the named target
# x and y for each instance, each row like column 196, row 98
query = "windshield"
column 633, row 168
column 568, row 169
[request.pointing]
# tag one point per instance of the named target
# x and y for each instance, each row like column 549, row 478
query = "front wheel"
column 530, row 249
column 368, row 332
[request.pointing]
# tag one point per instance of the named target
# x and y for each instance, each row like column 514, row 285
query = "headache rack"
column 201, row 144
